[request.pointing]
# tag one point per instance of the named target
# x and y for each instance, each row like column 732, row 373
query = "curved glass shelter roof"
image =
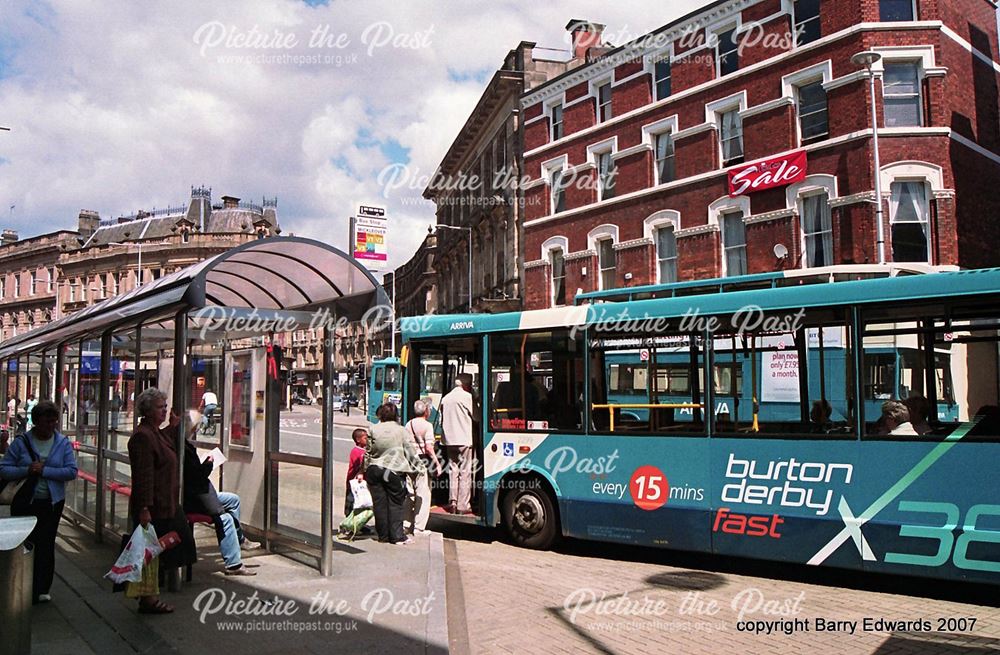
column 278, row 275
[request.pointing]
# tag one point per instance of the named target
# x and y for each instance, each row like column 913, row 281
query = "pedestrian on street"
column 419, row 429
column 456, row 421
column 355, row 466
column 391, row 457
column 45, row 457
column 29, row 405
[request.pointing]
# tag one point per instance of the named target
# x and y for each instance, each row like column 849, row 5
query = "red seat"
column 192, row 518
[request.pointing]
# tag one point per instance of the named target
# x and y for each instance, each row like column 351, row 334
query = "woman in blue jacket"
column 45, row 457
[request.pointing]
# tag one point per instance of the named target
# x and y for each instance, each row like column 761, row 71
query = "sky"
column 120, row 106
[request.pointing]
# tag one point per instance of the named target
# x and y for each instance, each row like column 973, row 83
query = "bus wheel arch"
column 529, row 511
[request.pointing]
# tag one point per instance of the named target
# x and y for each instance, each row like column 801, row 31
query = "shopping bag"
column 148, row 584
column 140, row 550
column 362, row 497
column 356, row 520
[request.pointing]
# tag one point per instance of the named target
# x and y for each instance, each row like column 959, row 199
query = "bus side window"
column 379, row 376
column 791, row 379
column 533, row 381
column 944, row 379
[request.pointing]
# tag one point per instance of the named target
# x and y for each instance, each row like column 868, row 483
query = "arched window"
column 554, row 251
column 909, row 215
column 811, row 200
column 730, row 215
column 910, row 185
column 602, row 239
column 661, row 228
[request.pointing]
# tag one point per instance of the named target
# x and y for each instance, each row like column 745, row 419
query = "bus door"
column 431, row 371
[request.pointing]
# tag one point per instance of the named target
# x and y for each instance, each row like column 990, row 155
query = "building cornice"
column 581, row 254
column 696, row 230
column 771, row 216
column 854, row 199
column 723, row 172
column 777, row 103
column 694, row 130
column 646, row 45
column 634, row 243
column 634, row 150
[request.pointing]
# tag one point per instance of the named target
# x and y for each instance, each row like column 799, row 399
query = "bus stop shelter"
column 218, row 326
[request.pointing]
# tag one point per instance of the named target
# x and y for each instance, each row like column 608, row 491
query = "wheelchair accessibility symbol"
column 508, row 449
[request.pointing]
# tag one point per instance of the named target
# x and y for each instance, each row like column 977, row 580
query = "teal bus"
column 561, row 451
column 383, row 385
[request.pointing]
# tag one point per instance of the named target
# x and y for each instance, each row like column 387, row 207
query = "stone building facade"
column 476, row 188
column 46, row 277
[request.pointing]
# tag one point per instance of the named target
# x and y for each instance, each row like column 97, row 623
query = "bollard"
column 16, row 561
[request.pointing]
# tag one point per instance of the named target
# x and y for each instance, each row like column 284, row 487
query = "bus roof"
column 869, row 291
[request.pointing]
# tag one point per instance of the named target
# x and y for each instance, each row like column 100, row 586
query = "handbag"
column 20, row 491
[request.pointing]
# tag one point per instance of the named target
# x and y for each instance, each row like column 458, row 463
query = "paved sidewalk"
column 608, row 599
column 381, row 598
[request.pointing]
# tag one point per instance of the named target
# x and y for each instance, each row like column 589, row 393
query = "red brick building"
column 628, row 156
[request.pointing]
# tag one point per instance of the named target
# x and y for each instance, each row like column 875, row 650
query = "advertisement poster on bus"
column 780, row 377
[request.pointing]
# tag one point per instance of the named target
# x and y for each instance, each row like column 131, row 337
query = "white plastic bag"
column 362, row 497
column 142, row 547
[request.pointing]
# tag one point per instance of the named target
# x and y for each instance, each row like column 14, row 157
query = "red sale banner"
column 767, row 174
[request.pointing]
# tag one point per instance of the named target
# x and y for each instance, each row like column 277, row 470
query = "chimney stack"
column 89, row 221
column 230, row 202
column 584, row 35
column 9, row 236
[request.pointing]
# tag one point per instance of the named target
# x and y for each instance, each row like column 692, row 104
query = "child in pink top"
column 355, row 466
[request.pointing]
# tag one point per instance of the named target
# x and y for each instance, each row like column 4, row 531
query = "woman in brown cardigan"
column 155, row 487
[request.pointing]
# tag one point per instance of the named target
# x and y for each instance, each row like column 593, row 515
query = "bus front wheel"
column 530, row 516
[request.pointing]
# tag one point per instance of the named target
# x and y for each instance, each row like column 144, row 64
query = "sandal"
column 159, row 607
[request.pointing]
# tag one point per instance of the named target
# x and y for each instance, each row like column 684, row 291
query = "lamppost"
column 138, row 277
column 469, row 230
column 868, row 59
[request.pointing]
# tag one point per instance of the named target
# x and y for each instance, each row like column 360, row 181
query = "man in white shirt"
column 209, row 403
column 456, row 422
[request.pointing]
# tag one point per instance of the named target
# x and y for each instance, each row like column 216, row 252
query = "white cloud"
column 115, row 107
